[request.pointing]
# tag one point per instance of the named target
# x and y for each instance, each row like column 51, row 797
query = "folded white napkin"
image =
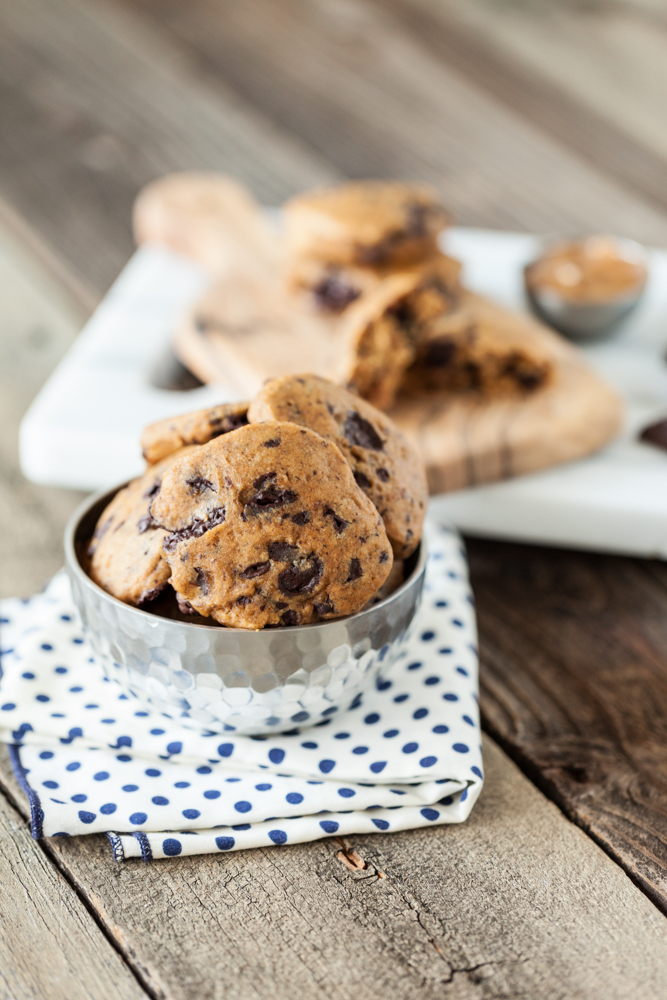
column 91, row 758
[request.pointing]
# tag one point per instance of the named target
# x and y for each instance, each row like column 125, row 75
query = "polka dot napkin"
column 91, row 758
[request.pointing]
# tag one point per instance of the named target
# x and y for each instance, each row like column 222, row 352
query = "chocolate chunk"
column 362, row 480
column 150, row 595
column 301, row 579
column 263, row 480
column 356, row 572
column 194, row 530
column 243, row 601
column 269, row 498
column 383, row 475
column 334, row 294
column 145, row 523
column 655, row 434
column 199, row 485
column 289, row 618
column 339, row 523
column 153, row 490
column 185, row 607
column 303, row 517
column 440, row 353
column 384, row 556
column 325, row 608
column 272, row 443
column 529, row 380
column 281, row 604
column 282, row 551
column 231, row 422
column 257, row 569
column 201, row 580
column 359, row 431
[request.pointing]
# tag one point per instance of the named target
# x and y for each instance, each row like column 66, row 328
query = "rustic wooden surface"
column 528, row 116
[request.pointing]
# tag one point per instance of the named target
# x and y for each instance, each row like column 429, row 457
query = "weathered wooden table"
column 527, row 116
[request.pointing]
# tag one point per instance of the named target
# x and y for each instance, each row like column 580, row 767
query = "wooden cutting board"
column 247, row 329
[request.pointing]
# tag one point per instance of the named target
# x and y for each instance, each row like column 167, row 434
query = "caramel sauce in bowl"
column 584, row 287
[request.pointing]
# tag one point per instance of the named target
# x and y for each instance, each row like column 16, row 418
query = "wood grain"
column 515, row 902
column 50, row 946
column 574, row 685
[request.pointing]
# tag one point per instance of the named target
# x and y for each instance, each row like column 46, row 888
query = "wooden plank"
column 515, row 902
column 94, row 104
column 50, row 946
column 574, row 685
column 378, row 101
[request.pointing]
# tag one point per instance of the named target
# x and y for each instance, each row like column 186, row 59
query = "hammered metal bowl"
column 254, row 682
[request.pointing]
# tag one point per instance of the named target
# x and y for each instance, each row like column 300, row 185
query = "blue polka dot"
column 441, row 729
column 341, row 736
column 264, row 787
column 378, row 766
column 329, row 825
column 79, row 798
column 457, row 622
column 76, row 690
column 326, row 766
column 450, row 696
column 91, row 706
column 171, row 847
column 294, row 798
column 78, row 642
column 108, row 808
column 370, row 719
column 66, row 618
column 447, row 801
column 130, row 788
column 123, row 741
column 174, row 748
column 383, row 685
column 400, row 698
column 476, row 770
column 50, row 784
column 226, row 749
column 428, row 761
column 309, row 746
column 360, row 750
column 123, row 758
column 381, row 824
column 427, row 636
column 300, row 717
column 430, row 681
column 431, row 814
column 141, row 715
column 224, row 843
column 415, row 666
column 278, row 836
column 153, row 772
column 87, row 817
column 460, row 747
column 42, row 697
column 276, row 756
column 390, row 733
column 466, row 718
column 60, row 670
column 441, row 604
column 138, row 818
column 464, row 795
column 47, row 646
column 212, row 793
column 108, row 722
column 421, row 713
column 240, row 826
column 191, row 813
column 462, row 671
column 331, row 710
column 74, row 766
column 445, row 651
column 410, row 747
column 346, row 793
column 159, row 800
column 181, row 784
column 101, row 776
column 28, row 676
column 46, row 755
column 243, row 806
column 157, row 732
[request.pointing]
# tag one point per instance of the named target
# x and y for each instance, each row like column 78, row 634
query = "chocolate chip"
column 333, row 293
column 153, row 490
column 185, row 607
column 199, row 485
column 281, row 604
column 243, row 601
column 325, row 608
column 201, row 580
column 149, row 595
column 339, row 523
column 145, row 523
column 440, row 353
column 257, row 569
column 263, row 480
column 194, row 530
column 384, row 556
column 231, row 422
column 282, row 551
column 303, row 517
column 362, row 480
column 270, row 497
column 655, row 434
column 289, row 618
column 359, row 431
column 301, row 579
column 356, row 572
column 363, row 539
column 383, row 475
column 272, row 443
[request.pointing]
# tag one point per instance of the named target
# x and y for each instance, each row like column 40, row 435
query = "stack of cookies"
column 368, row 252
column 297, row 507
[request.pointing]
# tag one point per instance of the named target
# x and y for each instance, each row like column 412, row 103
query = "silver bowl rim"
column 74, row 566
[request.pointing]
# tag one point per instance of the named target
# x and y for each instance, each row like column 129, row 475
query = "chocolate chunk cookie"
column 266, row 526
column 166, row 436
column 125, row 552
column 364, row 224
column 384, row 465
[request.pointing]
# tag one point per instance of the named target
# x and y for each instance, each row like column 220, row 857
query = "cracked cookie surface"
column 267, row 526
column 125, row 552
column 166, row 436
column 384, row 465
